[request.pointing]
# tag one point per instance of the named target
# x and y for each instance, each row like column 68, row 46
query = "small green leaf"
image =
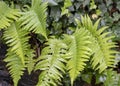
column 98, row 12
column 67, row 3
column 92, row 5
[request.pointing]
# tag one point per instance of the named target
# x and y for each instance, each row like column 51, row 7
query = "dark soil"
column 5, row 79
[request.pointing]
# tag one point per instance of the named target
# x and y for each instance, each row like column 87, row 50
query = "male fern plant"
column 68, row 53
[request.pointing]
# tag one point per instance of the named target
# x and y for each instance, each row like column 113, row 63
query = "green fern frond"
column 35, row 19
column 102, row 45
column 19, row 55
column 52, row 63
column 7, row 15
column 30, row 62
column 78, row 46
column 15, row 66
column 17, row 40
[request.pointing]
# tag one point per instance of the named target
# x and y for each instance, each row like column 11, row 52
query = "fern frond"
column 15, row 66
column 19, row 55
column 102, row 45
column 17, row 40
column 52, row 63
column 78, row 46
column 7, row 15
column 30, row 62
column 35, row 19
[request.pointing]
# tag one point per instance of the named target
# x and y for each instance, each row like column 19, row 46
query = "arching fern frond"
column 35, row 19
column 102, row 45
column 7, row 15
column 17, row 40
column 78, row 46
column 15, row 66
column 52, row 63
column 19, row 55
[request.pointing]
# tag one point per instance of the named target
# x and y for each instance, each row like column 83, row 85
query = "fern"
column 7, row 15
column 78, row 46
column 15, row 66
column 102, row 45
column 17, row 39
column 57, row 56
column 30, row 62
column 52, row 63
column 35, row 19
column 19, row 53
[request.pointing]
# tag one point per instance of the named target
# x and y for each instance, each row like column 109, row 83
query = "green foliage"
column 60, row 54
column 35, row 19
column 52, row 63
column 67, row 4
column 92, row 5
column 7, row 15
column 112, row 79
column 17, row 39
column 19, row 50
column 78, row 46
column 102, row 45
column 30, row 62
column 15, row 66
